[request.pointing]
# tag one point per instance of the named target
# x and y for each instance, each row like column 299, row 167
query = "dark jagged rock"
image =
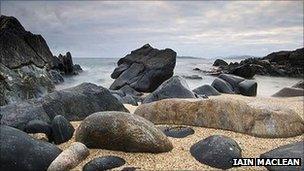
column 175, row 87
column 177, row 131
column 220, row 62
column 144, row 69
column 74, row 104
column 289, row 92
column 206, row 90
column 62, row 130
column 121, row 131
column 293, row 150
column 20, row 151
column 104, row 163
column 56, row 77
column 217, row 151
column 282, row 63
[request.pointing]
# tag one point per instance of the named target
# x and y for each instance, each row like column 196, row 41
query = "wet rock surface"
column 104, row 163
column 177, row 131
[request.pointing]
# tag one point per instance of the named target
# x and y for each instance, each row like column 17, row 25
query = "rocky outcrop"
column 220, row 62
column 121, row 131
column 64, row 64
column 289, row 92
column 25, row 60
column 293, row 150
column 20, row 151
column 144, row 69
column 74, row 103
column 175, row 87
column 282, row 63
column 225, row 113
column 217, row 151
column 231, row 84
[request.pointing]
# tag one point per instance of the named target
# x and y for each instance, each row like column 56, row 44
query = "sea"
column 98, row 71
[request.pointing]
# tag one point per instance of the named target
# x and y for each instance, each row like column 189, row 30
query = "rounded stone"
column 104, row 163
column 178, row 131
column 62, row 129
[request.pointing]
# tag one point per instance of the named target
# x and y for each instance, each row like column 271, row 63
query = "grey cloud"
column 195, row 28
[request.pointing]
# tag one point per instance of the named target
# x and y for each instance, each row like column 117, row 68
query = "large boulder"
column 175, row 87
column 20, row 151
column 74, row 103
column 222, row 112
column 248, row 88
column 246, row 71
column 62, row 130
column 24, row 60
column 217, row 151
column 289, row 92
column 222, row 86
column 144, row 69
column 121, row 131
column 293, row 150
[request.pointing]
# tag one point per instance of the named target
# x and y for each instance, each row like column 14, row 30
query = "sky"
column 206, row 29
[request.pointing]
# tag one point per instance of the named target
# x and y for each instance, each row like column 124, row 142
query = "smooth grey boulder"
column 233, row 80
column 293, row 150
column 175, row 87
column 19, row 114
column 78, row 102
column 217, row 151
column 206, row 90
column 70, row 157
column 104, row 163
column 74, row 104
column 248, row 88
column 20, row 151
column 289, row 92
column 222, row 86
column 121, row 131
column 62, row 130
column 144, row 69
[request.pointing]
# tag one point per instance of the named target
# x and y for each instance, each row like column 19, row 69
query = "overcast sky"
column 197, row 28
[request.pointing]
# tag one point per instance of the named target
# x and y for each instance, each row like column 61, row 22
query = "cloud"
column 195, row 28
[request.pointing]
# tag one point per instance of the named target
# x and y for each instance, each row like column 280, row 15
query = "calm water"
column 98, row 71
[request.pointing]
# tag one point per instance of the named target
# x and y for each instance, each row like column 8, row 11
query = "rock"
column 121, row 131
column 217, row 151
column 289, row 92
column 255, row 118
column 245, row 71
column 78, row 102
column 248, row 88
column 206, row 90
column 70, row 157
column 193, row 77
column 20, row 151
column 222, row 86
column 233, row 80
column 175, row 87
column 104, row 163
column 299, row 84
column 62, row 130
column 67, row 62
column 77, row 68
column 293, row 150
column 144, row 69
column 73, row 103
column 220, row 62
column 196, row 69
column 19, row 114
column 177, row 131
column 127, row 99
column 56, row 77
column 23, row 83
column 24, row 58
column 130, row 168
column 38, row 126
